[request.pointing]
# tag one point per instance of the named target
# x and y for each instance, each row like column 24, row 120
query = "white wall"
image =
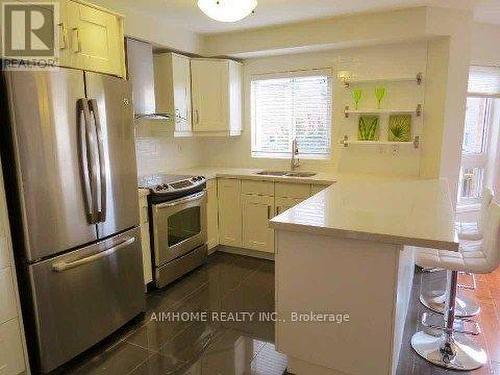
column 154, row 28
column 383, row 61
column 158, row 151
column 485, row 46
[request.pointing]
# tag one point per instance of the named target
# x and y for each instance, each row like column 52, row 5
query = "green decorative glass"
column 399, row 128
column 380, row 94
column 356, row 96
column 368, row 128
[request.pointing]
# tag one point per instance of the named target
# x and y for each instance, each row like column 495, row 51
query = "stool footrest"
column 434, row 324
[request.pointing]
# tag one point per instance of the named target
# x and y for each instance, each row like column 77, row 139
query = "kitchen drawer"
column 11, row 348
column 290, row 190
column 317, row 188
column 7, row 296
column 254, row 187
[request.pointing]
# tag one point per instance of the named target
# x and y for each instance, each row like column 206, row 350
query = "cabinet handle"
column 78, row 41
column 277, row 210
column 63, row 44
column 268, row 212
column 196, row 117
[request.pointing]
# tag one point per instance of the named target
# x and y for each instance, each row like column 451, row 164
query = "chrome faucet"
column 295, row 161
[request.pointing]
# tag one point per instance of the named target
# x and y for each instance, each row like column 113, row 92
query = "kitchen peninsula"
column 349, row 250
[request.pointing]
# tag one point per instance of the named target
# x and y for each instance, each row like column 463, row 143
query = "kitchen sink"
column 286, row 174
column 300, row 174
column 272, row 173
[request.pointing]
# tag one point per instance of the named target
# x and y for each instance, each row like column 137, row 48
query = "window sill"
column 272, row 155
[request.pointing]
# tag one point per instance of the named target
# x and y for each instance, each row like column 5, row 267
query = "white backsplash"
column 158, row 151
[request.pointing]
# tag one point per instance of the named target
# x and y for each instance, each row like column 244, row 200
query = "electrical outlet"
column 395, row 150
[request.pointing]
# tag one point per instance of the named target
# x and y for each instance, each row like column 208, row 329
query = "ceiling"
column 185, row 13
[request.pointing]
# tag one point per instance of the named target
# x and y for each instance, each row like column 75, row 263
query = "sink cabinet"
column 247, row 205
column 282, row 204
column 257, row 211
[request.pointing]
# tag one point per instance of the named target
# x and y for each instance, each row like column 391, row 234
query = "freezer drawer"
column 83, row 296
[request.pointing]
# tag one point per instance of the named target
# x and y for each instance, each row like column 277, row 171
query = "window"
column 483, row 91
column 289, row 106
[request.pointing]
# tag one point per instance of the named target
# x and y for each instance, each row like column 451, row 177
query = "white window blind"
column 294, row 105
column 484, row 80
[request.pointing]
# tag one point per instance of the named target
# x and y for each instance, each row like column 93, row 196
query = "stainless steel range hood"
column 141, row 75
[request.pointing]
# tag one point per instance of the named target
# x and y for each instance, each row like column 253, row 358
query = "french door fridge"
column 68, row 155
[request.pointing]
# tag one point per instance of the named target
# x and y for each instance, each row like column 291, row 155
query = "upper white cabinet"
column 91, row 38
column 173, row 89
column 216, row 97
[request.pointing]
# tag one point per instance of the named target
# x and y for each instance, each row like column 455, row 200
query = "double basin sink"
column 286, row 174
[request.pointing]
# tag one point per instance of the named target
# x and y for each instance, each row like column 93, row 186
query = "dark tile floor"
column 148, row 345
column 233, row 283
column 487, row 294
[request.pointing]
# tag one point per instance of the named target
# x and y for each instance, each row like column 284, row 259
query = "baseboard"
column 245, row 252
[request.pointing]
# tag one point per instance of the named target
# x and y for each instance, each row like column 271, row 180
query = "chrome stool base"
column 464, row 307
column 457, row 352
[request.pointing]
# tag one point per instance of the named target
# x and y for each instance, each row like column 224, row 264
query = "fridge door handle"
column 86, row 153
column 64, row 266
column 102, row 162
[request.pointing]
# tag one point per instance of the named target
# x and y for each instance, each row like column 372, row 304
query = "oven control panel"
column 180, row 185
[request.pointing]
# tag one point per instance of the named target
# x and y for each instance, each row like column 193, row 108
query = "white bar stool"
column 470, row 240
column 450, row 349
column 473, row 231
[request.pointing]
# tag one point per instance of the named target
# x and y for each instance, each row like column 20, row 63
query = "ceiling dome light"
column 227, row 10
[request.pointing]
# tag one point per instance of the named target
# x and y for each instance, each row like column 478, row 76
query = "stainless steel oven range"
column 178, row 224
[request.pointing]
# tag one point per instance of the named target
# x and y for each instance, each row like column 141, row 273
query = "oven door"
column 179, row 226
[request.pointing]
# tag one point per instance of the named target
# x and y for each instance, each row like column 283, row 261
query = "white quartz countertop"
column 404, row 212
column 243, row 173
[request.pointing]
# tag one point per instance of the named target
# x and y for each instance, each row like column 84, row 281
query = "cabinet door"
column 283, row 204
column 212, row 215
column 257, row 210
column 229, row 211
column 96, row 39
column 210, row 90
column 181, row 73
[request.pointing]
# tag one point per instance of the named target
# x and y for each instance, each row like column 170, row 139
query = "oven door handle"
column 187, row 199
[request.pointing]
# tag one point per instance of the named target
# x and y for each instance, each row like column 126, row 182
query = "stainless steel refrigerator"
column 68, row 156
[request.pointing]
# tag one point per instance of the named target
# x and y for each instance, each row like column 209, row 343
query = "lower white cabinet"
column 229, row 191
column 282, row 204
column 256, row 212
column 11, row 348
column 145, row 238
column 212, row 216
column 247, row 205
